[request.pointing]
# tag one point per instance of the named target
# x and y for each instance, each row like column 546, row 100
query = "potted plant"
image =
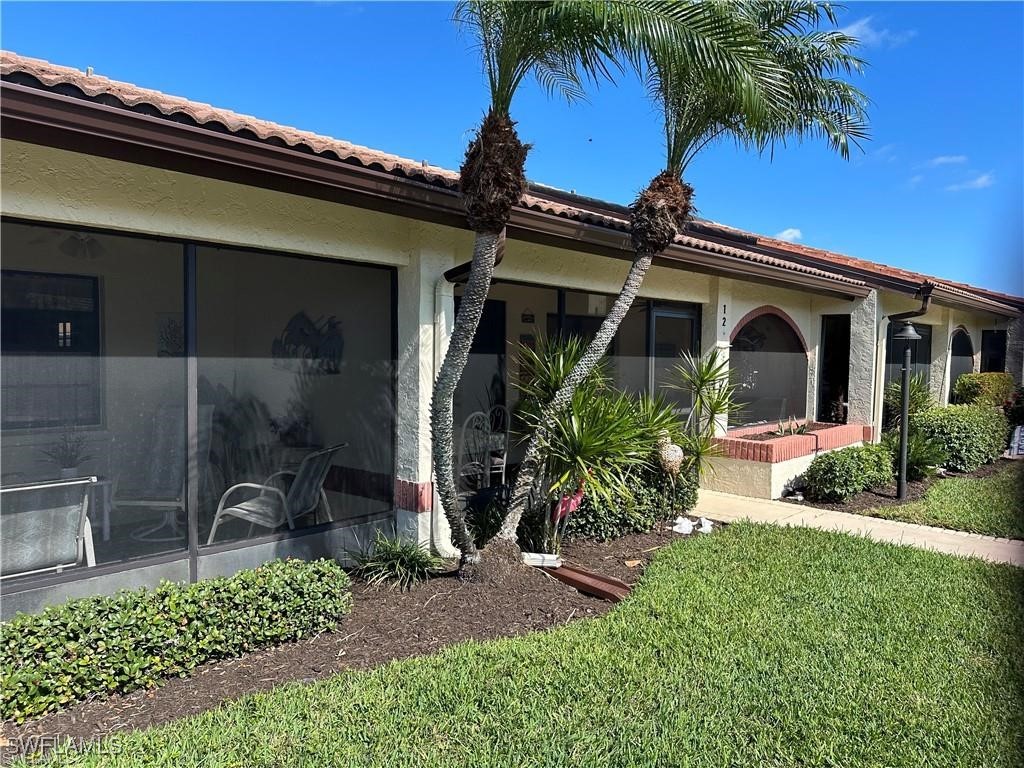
column 68, row 453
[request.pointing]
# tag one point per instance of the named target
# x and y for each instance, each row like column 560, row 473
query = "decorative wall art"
column 308, row 345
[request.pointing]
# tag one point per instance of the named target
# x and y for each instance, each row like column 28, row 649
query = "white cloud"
column 871, row 36
column 946, row 160
column 790, row 235
column 978, row 182
column 913, row 181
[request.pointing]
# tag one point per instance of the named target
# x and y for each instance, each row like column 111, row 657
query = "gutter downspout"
column 440, row 541
column 925, row 294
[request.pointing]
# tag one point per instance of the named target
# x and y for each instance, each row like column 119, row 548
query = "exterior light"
column 906, row 334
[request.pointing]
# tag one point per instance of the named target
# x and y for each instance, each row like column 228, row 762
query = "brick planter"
column 765, row 468
column 787, row 447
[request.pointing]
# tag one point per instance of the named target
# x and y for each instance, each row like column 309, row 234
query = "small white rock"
column 706, row 525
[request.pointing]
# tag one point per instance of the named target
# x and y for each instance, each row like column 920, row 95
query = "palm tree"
column 565, row 45
column 698, row 110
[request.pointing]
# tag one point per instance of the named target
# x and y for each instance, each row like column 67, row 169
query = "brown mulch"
column 774, row 434
column 886, row 497
column 384, row 625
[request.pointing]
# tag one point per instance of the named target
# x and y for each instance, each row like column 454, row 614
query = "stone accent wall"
column 863, row 325
column 1015, row 349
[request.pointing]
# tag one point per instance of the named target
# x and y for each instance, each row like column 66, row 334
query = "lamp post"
column 908, row 334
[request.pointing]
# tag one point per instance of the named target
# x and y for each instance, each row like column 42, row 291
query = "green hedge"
column 838, row 475
column 653, row 498
column 983, row 388
column 971, row 435
column 131, row 640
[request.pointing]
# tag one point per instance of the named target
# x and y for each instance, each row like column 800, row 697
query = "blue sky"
column 938, row 189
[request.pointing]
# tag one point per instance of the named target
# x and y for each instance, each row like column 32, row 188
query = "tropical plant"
column 924, row 454
column 920, row 400
column 67, row 451
column 395, row 563
column 701, row 104
column 707, row 380
column 564, row 45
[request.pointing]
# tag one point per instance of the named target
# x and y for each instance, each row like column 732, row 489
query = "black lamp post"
column 908, row 334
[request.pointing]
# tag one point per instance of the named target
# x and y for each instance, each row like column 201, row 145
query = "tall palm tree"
column 564, row 45
column 698, row 110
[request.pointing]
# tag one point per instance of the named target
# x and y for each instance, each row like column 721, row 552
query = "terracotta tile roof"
column 885, row 270
column 74, row 82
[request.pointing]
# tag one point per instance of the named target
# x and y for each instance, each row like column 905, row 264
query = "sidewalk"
column 726, row 507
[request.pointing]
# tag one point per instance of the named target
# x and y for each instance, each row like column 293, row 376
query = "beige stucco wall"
column 760, row 479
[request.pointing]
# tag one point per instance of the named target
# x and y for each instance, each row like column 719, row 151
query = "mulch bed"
column 774, row 434
column 384, row 625
column 886, row 497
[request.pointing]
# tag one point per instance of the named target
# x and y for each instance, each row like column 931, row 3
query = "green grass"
column 992, row 505
column 755, row 646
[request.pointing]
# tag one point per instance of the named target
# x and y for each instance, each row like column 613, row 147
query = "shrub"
column 920, row 399
column 834, row 476
column 652, row 498
column 395, row 563
column 132, row 640
column 983, row 388
column 876, row 465
column 971, row 435
column 838, row 475
column 924, row 454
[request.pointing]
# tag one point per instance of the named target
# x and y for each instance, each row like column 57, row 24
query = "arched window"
column 961, row 357
column 769, row 362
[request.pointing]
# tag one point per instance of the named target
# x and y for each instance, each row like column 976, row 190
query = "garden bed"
column 384, row 625
column 988, row 501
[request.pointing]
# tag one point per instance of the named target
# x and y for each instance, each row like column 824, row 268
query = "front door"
column 834, row 368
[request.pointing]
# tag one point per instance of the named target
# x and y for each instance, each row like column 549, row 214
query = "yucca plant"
column 394, row 563
column 708, row 381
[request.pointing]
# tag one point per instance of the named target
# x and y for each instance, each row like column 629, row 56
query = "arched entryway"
column 769, row 363
column 961, row 357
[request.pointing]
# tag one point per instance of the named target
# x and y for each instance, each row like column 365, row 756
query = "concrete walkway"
column 726, row 507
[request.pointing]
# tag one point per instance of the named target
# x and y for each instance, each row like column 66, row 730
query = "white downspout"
column 440, row 533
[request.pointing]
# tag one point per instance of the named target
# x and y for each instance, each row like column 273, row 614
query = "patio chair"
column 273, row 507
column 483, row 448
column 162, row 481
column 46, row 526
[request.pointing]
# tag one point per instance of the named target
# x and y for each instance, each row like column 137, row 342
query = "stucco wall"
column 54, row 185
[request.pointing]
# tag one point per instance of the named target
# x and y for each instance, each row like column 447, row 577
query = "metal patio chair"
column 161, row 484
column 46, row 526
column 272, row 507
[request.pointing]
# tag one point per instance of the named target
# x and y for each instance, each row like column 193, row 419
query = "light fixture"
column 907, row 333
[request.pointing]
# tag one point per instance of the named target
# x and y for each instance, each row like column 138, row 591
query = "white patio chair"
column 272, row 507
column 46, row 527
column 483, row 448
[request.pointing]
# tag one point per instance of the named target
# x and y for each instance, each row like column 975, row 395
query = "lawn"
column 753, row 646
column 992, row 505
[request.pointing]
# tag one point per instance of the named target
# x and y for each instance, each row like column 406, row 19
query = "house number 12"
column 723, row 315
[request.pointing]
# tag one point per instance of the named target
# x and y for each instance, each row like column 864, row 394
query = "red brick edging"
column 787, row 447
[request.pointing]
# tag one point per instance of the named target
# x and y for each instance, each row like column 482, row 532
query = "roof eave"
column 39, row 116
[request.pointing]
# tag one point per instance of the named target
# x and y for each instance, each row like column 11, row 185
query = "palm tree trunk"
column 471, row 307
column 563, row 397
